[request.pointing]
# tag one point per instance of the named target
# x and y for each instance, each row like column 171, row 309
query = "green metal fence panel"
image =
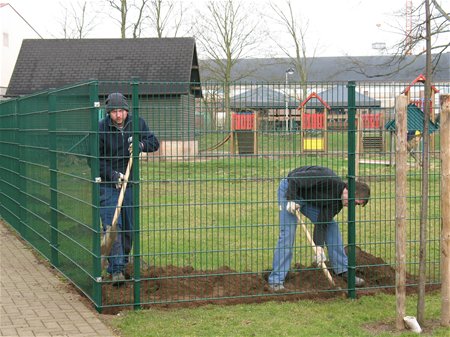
column 32, row 114
column 9, row 170
column 71, row 132
column 206, row 213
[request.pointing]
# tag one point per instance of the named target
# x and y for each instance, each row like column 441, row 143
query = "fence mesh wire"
column 206, row 221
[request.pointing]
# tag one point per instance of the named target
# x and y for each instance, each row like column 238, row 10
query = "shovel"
column 111, row 232
column 318, row 251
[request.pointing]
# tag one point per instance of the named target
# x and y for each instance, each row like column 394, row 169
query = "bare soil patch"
column 171, row 286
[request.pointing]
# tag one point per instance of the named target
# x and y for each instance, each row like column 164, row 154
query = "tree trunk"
column 425, row 164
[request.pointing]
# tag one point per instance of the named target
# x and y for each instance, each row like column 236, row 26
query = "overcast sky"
column 337, row 27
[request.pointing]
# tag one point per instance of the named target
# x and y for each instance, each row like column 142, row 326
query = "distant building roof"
column 415, row 120
column 342, row 68
column 337, row 97
column 262, row 97
column 44, row 64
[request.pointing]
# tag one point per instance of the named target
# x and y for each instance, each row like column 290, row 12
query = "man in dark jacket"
column 115, row 134
column 319, row 194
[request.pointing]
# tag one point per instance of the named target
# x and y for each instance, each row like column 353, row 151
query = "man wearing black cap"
column 115, row 138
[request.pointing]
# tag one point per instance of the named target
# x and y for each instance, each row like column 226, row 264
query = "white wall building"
column 13, row 29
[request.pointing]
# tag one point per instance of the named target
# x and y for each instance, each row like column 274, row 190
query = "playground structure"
column 318, row 114
column 420, row 101
column 370, row 126
column 244, row 135
column 313, row 126
column 415, row 118
column 371, row 133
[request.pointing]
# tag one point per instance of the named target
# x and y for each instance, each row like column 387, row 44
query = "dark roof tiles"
column 44, row 64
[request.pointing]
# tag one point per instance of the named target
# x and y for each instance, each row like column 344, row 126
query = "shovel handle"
column 111, row 232
column 122, row 193
column 315, row 248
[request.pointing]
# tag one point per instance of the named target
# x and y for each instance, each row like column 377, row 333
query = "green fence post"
column 95, row 198
column 136, row 215
column 16, row 157
column 351, row 188
column 22, row 171
column 53, row 180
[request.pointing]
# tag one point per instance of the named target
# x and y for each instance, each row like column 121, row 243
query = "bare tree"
column 165, row 17
column 297, row 50
column 76, row 23
column 441, row 10
column 137, row 25
column 129, row 10
column 226, row 33
column 413, row 42
column 416, row 36
column 428, row 34
column 425, row 171
column 121, row 7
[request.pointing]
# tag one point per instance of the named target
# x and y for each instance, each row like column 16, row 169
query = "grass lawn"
column 210, row 212
column 366, row 316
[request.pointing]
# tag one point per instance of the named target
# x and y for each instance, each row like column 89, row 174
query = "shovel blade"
column 108, row 241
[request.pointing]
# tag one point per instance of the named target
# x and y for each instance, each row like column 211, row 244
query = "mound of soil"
column 183, row 286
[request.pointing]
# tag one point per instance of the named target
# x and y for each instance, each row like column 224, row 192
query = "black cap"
column 116, row 101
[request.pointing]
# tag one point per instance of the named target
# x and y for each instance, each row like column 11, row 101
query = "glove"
column 319, row 257
column 291, row 207
column 141, row 148
column 120, row 180
column 130, row 148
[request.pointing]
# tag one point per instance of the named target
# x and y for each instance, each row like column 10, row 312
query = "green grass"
column 366, row 316
column 229, row 206
column 210, row 212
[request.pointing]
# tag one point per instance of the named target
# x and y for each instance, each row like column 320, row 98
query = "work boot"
column 359, row 282
column 118, row 279
column 276, row 287
column 127, row 273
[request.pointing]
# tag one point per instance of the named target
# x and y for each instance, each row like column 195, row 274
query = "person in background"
column 115, row 141
column 412, row 145
column 319, row 194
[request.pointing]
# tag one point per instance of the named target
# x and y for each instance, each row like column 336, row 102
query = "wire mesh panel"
column 72, row 207
column 9, row 154
column 32, row 117
column 205, row 216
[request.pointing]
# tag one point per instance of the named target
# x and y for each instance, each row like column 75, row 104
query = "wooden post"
column 325, row 127
column 445, row 209
column 302, row 112
column 401, row 106
column 383, row 135
column 358, row 144
column 255, row 132
column 391, row 146
column 233, row 135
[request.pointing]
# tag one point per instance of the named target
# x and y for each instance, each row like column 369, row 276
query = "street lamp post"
column 289, row 71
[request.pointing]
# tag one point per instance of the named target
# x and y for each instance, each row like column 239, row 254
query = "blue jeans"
column 324, row 234
column 118, row 257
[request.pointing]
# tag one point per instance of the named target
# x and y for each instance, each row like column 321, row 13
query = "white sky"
column 337, row 27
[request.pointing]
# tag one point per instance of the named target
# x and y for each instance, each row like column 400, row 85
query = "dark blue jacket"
column 114, row 144
column 318, row 186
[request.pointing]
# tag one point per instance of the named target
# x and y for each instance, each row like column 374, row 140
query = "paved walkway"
column 35, row 302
